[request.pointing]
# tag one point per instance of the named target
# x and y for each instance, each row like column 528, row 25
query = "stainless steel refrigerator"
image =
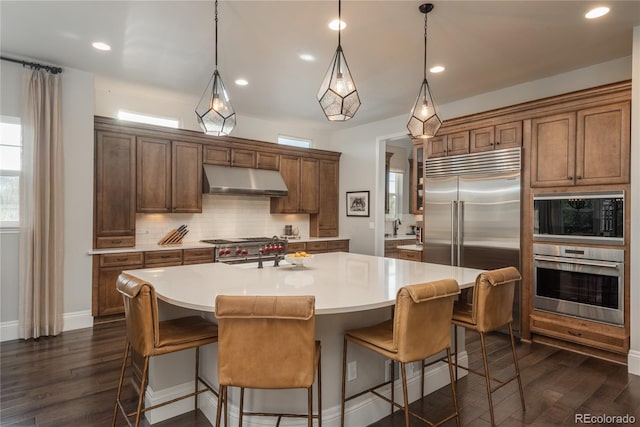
column 472, row 212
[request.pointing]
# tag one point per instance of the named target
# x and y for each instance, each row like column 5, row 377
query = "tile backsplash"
column 222, row 216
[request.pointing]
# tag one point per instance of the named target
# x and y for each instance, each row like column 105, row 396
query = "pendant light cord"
column 339, row 20
column 425, row 45
column 216, row 20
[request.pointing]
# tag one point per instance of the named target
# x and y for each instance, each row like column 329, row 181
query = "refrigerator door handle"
column 460, row 230
column 454, row 205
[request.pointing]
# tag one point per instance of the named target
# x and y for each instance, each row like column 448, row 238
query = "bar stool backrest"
column 493, row 298
column 141, row 313
column 422, row 319
column 266, row 341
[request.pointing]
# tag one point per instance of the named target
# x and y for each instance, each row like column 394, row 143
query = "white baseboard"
column 633, row 362
column 363, row 410
column 75, row 320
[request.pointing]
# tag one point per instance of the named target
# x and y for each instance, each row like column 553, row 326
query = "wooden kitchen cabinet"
column 301, row 176
column 186, row 177
column 325, row 222
column 587, row 147
column 163, row 258
column 410, row 255
column 153, row 175
column 106, row 269
column 448, row 145
column 197, row 256
column 229, row 156
column 169, row 176
column 319, row 246
column 270, row 161
column 500, row 136
column 391, row 247
column 115, row 190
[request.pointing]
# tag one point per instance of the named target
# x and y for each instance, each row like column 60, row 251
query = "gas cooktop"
column 239, row 240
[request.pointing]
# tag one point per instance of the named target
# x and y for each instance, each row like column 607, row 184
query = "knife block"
column 174, row 237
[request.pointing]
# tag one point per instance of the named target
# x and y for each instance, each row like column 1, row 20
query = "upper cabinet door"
column 153, row 175
column 553, row 147
column 603, row 145
column 482, row 139
column 309, row 185
column 290, row 171
column 186, row 174
column 115, row 190
column 437, row 146
column 508, row 135
column 458, row 143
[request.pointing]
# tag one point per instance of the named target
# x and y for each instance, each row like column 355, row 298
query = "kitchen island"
column 351, row 290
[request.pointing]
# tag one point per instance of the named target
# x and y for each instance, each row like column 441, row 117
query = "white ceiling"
column 484, row 45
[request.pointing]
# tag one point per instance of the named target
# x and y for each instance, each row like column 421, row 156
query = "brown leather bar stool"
column 150, row 337
column 421, row 327
column 491, row 308
column 267, row 342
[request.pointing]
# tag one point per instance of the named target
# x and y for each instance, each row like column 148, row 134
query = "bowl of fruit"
column 298, row 259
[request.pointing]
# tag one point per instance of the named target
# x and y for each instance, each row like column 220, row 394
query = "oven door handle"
column 576, row 261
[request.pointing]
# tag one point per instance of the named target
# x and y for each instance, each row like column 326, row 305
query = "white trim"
column 71, row 321
column 633, row 362
column 361, row 411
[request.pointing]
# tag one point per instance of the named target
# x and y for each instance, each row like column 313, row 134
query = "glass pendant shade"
column 338, row 96
column 214, row 111
column 424, row 121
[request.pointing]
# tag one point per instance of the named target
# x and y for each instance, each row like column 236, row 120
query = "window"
column 294, row 142
column 395, row 195
column 150, row 120
column 10, row 165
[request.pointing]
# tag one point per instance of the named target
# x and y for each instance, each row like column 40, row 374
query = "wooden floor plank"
column 70, row 380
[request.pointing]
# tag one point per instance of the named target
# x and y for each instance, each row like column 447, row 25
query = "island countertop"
column 341, row 282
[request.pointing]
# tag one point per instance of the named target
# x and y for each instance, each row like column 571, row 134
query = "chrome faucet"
column 396, row 224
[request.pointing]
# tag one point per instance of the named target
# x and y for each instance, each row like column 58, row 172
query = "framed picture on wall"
column 358, row 203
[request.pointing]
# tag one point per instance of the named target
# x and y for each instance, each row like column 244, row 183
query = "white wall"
column 114, row 95
column 77, row 134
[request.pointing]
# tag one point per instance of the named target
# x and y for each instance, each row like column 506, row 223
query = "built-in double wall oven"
column 570, row 279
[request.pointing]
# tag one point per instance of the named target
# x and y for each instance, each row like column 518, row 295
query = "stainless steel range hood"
column 229, row 180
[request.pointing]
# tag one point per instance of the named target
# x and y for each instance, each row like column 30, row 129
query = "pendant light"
column 424, row 121
column 338, row 96
column 214, row 111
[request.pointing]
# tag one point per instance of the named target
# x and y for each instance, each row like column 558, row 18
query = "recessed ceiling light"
column 597, row 12
column 307, row 57
column 437, row 69
column 101, row 46
column 242, row 82
column 334, row 25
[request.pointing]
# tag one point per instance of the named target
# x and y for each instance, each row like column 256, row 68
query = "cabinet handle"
column 570, row 178
column 122, row 259
column 116, row 241
column 575, row 334
column 498, row 143
column 165, row 256
column 578, row 177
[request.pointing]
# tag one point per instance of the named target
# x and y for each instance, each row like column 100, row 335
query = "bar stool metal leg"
column 515, row 362
column 487, row 377
column 453, row 387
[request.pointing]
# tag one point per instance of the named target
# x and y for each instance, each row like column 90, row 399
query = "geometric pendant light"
column 214, row 111
column 337, row 95
column 424, row 121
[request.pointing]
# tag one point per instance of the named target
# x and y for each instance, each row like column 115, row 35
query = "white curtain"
column 41, row 207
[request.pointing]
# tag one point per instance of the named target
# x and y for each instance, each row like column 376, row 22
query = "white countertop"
column 401, row 237
column 341, row 282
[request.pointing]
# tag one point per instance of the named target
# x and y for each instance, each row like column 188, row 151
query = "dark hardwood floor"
column 71, row 380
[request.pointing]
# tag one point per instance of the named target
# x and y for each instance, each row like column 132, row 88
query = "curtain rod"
column 52, row 70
